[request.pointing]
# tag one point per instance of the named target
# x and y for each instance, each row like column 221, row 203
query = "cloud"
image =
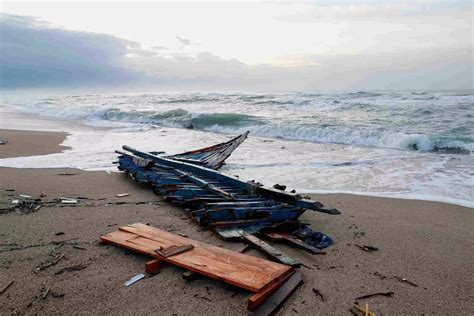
column 37, row 54
column 34, row 53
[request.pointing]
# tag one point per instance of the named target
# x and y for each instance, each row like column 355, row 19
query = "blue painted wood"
column 214, row 199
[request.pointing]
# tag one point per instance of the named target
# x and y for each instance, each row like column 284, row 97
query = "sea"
column 401, row 144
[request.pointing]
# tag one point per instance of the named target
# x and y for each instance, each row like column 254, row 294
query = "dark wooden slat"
column 271, row 251
column 274, row 302
column 295, row 242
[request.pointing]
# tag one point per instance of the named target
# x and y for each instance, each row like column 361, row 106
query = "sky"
column 280, row 46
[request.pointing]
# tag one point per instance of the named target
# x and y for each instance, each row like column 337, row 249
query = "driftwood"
column 403, row 280
column 375, row 294
column 76, row 267
column 317, row 292
column 3, row 289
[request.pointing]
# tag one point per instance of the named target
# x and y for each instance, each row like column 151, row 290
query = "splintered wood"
column 257, row 275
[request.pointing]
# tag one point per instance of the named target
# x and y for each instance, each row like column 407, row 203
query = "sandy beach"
column 427, row 243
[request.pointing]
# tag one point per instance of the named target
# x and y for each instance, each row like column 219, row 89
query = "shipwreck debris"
column 173, row 250
column 225, row 204
column 25, row 206
column 367, row 248
column 403, row 280
column 122, row 194
column 357, row 310
column 275, row 301
column 318, row 293
column 65, row 200
column 279, row 187
column 76, row 267
column 268, row 280
column 213, row 156
column 6, row 286
column 134, row 279
column 271, row 251
column 189, row 275
column 49, row 263
column 375, row 294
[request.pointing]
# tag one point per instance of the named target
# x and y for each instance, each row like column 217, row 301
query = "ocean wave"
column 349, row 136
column 183, row 119
column 364, row 94
column 324, row 118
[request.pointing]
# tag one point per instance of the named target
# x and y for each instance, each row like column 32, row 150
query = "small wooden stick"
column 6, row 286
column 375, row 294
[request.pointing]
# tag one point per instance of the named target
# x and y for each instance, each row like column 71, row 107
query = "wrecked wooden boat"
column 231, row 207
column 213, row 156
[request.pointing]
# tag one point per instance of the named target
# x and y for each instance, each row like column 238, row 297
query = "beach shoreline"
column 427, row 243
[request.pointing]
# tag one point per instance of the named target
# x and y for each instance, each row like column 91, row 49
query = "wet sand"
column 30, row 143
column 428, row 243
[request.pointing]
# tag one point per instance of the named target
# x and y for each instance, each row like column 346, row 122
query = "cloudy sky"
column 281, row 46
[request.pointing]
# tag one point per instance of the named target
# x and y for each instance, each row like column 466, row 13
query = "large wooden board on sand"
column 254, row 274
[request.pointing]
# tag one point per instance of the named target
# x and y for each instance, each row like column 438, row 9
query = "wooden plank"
column 154, row 266
column 258, row 298
column 234, row 268
column 274, row 302
column 300, row 244
column 295, row 242
column 173, row 250
column 271, row 251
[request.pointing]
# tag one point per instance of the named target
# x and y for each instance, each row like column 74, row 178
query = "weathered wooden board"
column 278, row 298
column 253, row 274
column 271, row 251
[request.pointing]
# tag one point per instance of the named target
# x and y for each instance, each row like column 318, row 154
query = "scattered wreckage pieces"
column 318, row 293
column 274, row 302
column 49, row 263
column 388, row 294
column 173, row 250
column 292, row 240
column 26, row 207
column 367, row 248
column 122, row 195
column 76, row 267
column 225, row 204
column 271, row 251
column 66, row 200
column 403, row 280
column 134, row 279
column 211, row 157
column 4, row 288
column 257, row 275
column 356, row 310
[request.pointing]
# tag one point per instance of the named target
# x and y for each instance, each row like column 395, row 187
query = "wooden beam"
column 271, row 251
column 274, row 302
column 258, row 298
column 154, row 266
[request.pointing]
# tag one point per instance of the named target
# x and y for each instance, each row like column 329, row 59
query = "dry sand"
column 427, row 243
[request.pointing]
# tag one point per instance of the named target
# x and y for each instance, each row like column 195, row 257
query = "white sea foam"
column 345, row 142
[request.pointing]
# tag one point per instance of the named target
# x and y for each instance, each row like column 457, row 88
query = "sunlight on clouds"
column 286, row 46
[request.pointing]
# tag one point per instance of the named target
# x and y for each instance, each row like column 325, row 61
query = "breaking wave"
column 183, row 119
column 366, row 138
column 237, row 123
column 424, row 121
